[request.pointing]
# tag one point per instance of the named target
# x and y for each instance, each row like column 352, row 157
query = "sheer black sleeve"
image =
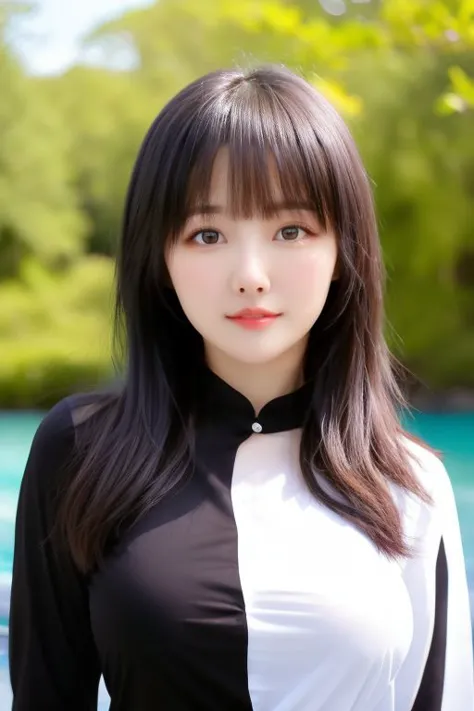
column 53, row 659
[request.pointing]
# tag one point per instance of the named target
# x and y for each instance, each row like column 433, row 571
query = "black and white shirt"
column 241, row 591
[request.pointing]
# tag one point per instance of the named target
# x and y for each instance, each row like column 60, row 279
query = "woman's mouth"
column 254, row 319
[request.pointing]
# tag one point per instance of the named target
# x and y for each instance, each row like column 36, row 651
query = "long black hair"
column 137, row 446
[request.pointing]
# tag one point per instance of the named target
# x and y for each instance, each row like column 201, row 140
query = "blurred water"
column 451, row 433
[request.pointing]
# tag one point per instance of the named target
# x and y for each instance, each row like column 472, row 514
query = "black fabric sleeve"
column 438, row 671
column 430, row 692
column 53, row 660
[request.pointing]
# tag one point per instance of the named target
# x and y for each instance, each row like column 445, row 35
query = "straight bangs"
column 275, row 158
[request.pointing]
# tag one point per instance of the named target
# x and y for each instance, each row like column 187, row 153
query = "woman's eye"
column 206, row 237
column 291, row 233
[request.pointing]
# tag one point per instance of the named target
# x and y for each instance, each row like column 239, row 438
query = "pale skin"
column 284, row 264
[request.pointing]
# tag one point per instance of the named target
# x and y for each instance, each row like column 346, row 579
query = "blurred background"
column 80, row 82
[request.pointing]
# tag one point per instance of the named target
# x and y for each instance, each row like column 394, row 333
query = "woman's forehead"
column 227, row 190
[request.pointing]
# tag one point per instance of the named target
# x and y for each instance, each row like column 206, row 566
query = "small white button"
column 257, row 427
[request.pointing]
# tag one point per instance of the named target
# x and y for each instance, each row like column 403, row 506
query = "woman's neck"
column 260, row 382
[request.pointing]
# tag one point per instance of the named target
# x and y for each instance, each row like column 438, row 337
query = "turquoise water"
column 453, row 434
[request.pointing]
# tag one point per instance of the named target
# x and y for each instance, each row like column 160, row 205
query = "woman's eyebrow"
column 208, row 209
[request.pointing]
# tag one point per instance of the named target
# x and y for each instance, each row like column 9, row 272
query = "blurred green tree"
column 399, row 70
column 39, row 214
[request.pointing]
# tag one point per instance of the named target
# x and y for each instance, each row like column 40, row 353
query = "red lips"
column 254, row 313
column 254, row 319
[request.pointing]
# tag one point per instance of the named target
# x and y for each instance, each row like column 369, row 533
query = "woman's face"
column 221, row 266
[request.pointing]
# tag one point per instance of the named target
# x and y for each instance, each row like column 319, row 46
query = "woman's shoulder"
column 60, row 422
column 53, row 448
column 420, row 517
column 56, row 427
column 427, row 466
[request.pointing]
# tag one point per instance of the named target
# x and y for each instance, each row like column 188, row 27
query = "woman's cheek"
column 311, row 275
column 196, row 281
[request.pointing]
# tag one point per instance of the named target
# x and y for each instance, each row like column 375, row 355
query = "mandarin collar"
column 225, row 408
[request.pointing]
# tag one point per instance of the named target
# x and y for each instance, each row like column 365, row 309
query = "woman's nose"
column 251, row 276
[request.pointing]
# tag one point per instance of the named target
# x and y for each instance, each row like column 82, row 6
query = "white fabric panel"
column 427, row 526
column 332, row 623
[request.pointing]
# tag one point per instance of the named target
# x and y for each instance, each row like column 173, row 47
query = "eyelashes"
column 211, row 232
column 204, row 231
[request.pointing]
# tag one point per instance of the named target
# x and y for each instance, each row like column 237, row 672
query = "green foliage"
column 422, row 167
column 399, row 70
column 54, row 331
column 38, row 209
column 461, row 94
column 105, row 132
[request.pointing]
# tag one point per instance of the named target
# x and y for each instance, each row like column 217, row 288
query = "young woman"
column 243, row 523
